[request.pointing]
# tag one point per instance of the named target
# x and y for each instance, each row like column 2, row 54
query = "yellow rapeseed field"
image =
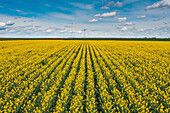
column 84, row 76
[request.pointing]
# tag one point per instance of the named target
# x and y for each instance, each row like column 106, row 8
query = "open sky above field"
column 62, row 18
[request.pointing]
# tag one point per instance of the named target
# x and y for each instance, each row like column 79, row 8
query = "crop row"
column 85, row 76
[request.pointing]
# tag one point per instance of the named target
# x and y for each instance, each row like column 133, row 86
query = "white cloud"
column 109, row 27
column 12, row 31
column 129, row 23
column 10, row 23
column 105, row 7
column 146, row 29
column 21, row 11
column 109, row 14
column 2, row 24
column 118, row 4
column 79, row 31
column 97, row 15
column 49, row 30
column 124, row 29
column 71, row 32
column 141, row 30
column 17, row 10
column 76, row 31
column 160, row 4
column 93, row 20
column 82, row 6
column 122, row 19
column 113, row 4
column 143, row 16
column 63, row 31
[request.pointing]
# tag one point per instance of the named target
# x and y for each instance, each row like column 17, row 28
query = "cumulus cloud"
column 93, row 20
column 2, row 24
column 49, row 30
column 100, row 19
column 63, row 31
column 76, row 31
column 113, row 4
column 79, row 31
column 105, row 7
column 118, row 4
column 10, row 23
column 143, row 16
column 108, row 14
column 146, row 30
column 122, row 19
column 17, row 10
column 160, row 4
column 82, row 6
column 97, row 15
column 129, row 23
column 141, row 30
column 124, row 29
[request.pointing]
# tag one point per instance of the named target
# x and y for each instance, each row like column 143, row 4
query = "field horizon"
column 92, row 38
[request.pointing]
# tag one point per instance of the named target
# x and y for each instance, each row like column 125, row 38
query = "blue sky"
column 111, row 18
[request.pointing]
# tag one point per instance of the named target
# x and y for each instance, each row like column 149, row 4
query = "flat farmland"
column 84, row 76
